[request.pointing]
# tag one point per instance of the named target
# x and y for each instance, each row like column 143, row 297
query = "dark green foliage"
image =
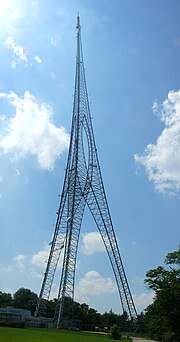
column 50, row 307
column 162, row 318
column 5, row 299
column 12, row 324
column 25, row 299
column 108, row 319
column 115, row 333
column 141, row 324
column 85, row 317
column 90, row 318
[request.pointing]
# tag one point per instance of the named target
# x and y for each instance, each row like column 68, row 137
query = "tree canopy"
column 25, row 299
column 163, row 316
column 89, row 317
column 5, row 299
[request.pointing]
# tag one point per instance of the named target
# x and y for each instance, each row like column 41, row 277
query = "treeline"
column 90, row 318
column 160, row 320
column 23, row 298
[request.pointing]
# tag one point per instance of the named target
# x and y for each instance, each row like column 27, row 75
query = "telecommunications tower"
column 83, row 185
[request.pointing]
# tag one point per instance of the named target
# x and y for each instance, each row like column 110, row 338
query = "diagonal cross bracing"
column 83, row 185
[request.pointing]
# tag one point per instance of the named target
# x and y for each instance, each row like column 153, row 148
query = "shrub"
column 12, row 324
column 115, row 333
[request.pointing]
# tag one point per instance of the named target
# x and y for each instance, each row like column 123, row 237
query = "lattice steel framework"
column 83, row 185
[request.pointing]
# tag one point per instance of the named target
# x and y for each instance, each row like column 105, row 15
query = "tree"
column 109, row 319
column 115, row 333
column 50, row 307
column 25, row 299
column 84, row 308
column 93, row 317
column 141, row 323
column 5, row 299
column 88, row 318
column 163, row 316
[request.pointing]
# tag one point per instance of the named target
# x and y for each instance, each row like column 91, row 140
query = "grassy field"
column 45, row 335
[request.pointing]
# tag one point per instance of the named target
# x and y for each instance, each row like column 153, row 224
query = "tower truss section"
column 83, row 185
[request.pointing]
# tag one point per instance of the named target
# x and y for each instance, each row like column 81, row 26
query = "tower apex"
column 78, row 26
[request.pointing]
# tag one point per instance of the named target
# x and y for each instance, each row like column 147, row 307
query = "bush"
column 115, row 333
column 12, row 324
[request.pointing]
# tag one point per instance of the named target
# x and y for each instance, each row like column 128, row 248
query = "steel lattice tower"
column 83, row 185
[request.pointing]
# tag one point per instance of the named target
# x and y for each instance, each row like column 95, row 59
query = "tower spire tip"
column 78, row 22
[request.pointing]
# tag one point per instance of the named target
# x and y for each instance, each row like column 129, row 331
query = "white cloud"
column 37, row 59
column 94, row 284
column 18, row 51
column 56, row 41
column 31, row 131
column 40, row 258
column 35, row 274
column 18, row 173
column 92, row 243
column 13, row 65
column 1, row 179
column 14, row 15
column 20, row 261
column 5, row 268
column 2, row 117
column 54, row 291
column 162, row 159
column 143, row 300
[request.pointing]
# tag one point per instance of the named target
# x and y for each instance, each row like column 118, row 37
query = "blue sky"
column 131, row 53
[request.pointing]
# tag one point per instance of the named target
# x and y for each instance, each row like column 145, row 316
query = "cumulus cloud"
column 162, row 159
column 94, row 284
column 31, row 131
column 18, row 51
column 5, row 268
column 2, row 118
column 40, row 258
column 54, row 291
column 37, row 59
column 35, row 274
column 143, row 300
column 92, row 243
column 20, row 261
column 15, row 15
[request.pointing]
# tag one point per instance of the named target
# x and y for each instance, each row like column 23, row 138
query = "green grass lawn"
column 45, row 335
